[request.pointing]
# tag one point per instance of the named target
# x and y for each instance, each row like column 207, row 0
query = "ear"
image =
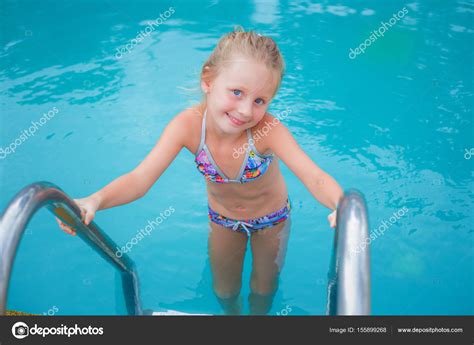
column 205, row 86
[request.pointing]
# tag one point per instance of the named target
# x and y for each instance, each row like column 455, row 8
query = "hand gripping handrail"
column 24, row 206
column 349, row 271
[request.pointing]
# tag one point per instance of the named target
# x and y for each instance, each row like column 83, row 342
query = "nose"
column 245, row 110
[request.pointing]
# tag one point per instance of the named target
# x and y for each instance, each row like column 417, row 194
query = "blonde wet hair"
column 247, row 44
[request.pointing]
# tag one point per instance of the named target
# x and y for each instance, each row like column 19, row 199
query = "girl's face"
column 239, row 95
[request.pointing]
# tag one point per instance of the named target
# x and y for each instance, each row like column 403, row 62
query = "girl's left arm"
column 321, row 185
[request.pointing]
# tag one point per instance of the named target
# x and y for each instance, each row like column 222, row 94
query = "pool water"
column 395, row 122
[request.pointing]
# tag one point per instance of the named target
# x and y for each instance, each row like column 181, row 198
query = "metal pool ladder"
column 349, row 271
column 24, row 206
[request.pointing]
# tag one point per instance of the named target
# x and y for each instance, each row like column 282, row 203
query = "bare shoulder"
column 268, row 130
column 187, row 125
column 188, row 118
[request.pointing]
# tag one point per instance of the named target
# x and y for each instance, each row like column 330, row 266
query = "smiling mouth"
column 235, row 121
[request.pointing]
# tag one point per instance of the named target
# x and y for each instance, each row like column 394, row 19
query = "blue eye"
column 259, row 101
column 237, row 92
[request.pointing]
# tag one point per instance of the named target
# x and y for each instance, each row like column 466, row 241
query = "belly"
column 251, row 199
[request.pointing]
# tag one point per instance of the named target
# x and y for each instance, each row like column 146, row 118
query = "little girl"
column 247, row 194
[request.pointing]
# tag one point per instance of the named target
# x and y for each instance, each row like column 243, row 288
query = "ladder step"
column 173, row 313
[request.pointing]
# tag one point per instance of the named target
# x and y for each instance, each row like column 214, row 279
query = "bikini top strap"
column 250, row 140
column 203, row 133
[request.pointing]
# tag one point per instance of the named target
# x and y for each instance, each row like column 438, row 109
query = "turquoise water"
column 394, row 122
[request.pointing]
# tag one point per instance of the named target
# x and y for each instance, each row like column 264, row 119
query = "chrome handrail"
column 349, row 271
column 24, row 206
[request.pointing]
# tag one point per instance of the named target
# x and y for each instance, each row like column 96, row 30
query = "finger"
column 66, row 228
column 88, row 218
column 331, row 221
column 71, row 231
column 61, row 224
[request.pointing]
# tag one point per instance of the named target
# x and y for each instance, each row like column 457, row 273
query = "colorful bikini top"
column 254, row 165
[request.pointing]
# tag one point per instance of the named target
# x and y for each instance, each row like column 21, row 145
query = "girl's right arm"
column 135, row 184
